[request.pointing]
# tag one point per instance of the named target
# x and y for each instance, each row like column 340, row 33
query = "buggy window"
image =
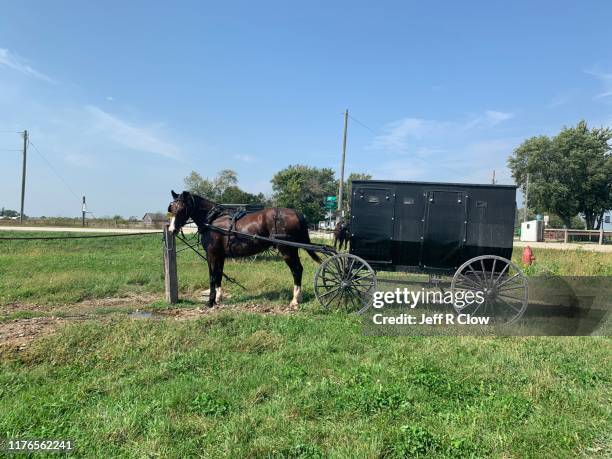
column 408, row 200
column 373, row 199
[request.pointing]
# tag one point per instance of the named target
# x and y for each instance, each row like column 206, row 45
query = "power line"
column 10, row 149
column 363, row 125
column 54, row 170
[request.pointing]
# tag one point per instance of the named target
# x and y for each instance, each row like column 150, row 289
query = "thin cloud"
column 606, row 82
column 404, row 134
column 130, row 136
column 14, row 62
column 558, row 101
column 399, row 134
column 493, row 117
column 246, row 158
column 603, row 94
column 80, row 160
column 488, row 119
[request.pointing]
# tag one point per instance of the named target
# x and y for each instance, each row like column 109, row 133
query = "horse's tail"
column 306, row 237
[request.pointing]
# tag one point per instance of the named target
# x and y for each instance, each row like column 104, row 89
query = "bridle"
column 189, row 207
column 180, row 199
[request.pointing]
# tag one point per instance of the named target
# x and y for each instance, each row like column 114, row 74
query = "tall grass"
column 246, row 385
column 289, row 385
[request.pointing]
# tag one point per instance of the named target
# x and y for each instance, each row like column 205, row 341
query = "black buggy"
column 441, row 229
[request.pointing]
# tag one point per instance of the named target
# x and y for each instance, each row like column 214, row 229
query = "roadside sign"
column 331, row 202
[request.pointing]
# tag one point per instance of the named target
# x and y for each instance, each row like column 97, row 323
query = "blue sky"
column 126, row 98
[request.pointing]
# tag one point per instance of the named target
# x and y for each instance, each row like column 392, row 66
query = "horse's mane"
column 207, row 202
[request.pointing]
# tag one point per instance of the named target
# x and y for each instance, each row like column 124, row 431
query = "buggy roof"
column 401, row 182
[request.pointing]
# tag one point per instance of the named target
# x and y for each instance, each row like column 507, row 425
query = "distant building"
column 153, row 219
column 608, row 221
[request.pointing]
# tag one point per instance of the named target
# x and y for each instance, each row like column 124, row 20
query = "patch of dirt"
column 17, row 334
column 85, row 305
column 186, row 314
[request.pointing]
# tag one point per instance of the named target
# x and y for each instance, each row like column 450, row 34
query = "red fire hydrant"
column 528, row 256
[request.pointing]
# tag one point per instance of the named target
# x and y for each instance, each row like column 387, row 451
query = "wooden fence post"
column 565, row 236
column 170, row 275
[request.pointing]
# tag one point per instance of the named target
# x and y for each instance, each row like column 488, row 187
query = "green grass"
column 52, row 272
column 308, row 384
column 245, row 385
column 68, row 271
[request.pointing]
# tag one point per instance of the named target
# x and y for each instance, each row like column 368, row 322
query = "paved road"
column 76, row 230
column 563, row 246
column 323, row 235
column 86, row 230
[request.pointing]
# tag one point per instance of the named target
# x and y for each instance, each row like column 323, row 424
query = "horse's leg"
column 212, row 268
column 219, row 278
column 292, row 258
column 336, row 241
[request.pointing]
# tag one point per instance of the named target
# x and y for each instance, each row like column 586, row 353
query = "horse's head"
column 181, row 210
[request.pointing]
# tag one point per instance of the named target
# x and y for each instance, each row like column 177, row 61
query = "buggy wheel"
column 499, row 282
column 345, row 282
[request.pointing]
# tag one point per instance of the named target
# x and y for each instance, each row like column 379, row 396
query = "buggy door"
column 371, row 229
column 444, row 229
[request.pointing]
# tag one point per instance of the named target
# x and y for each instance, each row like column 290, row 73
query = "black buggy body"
column 398, row 226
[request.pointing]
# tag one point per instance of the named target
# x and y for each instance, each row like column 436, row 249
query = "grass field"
column 294, row 384
column 52, row 272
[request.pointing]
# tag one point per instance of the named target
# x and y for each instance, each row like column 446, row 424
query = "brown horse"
column 342, row 234
column 276, row 222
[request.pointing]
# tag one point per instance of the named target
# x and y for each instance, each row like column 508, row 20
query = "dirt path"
column 17, row 334
column 83, row 230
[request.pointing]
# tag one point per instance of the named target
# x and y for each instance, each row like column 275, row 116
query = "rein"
column 181, row 237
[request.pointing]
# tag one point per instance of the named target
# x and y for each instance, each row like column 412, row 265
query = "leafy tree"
column 346, row 198
column 223, row 188
column 575, row 223
column 9, row 213
column 196, row 184
column 304, row 188
column 234, row 195
column 211, row 189
column 225, row 179
column 568, row 174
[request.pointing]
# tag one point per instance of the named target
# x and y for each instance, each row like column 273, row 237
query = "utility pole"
column 341, row 190
column 526, row 198
column 23, row 173
column 493, row 181
column 84, row 211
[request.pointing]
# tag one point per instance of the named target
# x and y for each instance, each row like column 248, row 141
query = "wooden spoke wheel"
column 499, row 282
column 345, row 282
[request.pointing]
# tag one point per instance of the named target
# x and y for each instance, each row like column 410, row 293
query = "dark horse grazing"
column 275, row 222
column 341, row 234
